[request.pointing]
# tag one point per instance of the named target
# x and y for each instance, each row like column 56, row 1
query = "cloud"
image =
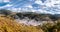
column 43, row 11
column 6, row 6
column 29, row 6
column 48, row 7
column 15, row 9
column 39, row 2
column 48, row 3
column 4, row 1
column 31, row 10
column 1, row 1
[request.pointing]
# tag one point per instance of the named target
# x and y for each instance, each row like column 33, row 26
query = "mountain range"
column 28, row 18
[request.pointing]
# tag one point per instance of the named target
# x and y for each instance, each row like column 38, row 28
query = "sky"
column 38, row 6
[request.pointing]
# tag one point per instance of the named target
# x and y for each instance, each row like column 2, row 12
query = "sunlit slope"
column 8, row 25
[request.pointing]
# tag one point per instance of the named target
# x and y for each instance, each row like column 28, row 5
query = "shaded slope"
column 5, row 12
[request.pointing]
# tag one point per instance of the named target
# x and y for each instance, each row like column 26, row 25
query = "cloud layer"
column 39, row 6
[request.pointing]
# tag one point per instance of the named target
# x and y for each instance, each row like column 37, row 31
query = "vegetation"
column 41, row 17
column 9, row 25
column 51, row 27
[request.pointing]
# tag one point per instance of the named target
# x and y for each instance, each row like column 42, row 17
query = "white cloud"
column 57, row 13
column 39, row 2
column 28, row 6
column 44, row 11
column 1, row 7
column 40, row 10
column 48, row 3
column 4, row 1
column 59, row 7
column 33, row 10
column 8, row 5
column 52, row 2
column 15, row 9
column 1, row 1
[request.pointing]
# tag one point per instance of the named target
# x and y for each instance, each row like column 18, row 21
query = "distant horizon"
column 28, row 12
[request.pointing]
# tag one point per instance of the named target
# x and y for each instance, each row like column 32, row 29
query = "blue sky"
column 39, row 6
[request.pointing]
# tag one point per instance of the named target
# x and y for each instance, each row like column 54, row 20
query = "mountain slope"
column 9, row 25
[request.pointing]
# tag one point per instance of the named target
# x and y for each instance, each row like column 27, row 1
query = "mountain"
column 57, row 15
column 10, row 25
column 29, row 22
column 33, row 15
column 5, row 12
column 30, row 18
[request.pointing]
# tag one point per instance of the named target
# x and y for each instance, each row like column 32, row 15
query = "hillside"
column 10, row 22
column 9, row 25
column 36, row 16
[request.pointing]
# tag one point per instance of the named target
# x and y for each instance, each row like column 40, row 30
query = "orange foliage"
column 9, row 25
